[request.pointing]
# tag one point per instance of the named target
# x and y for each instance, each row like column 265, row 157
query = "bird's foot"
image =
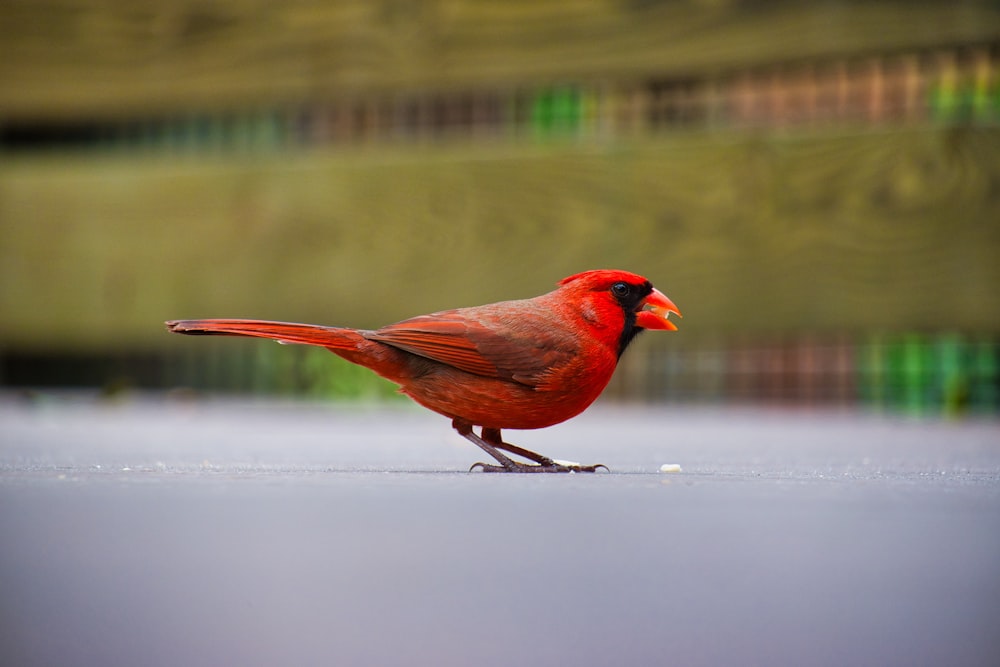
column 549, row 466
column 492, row 443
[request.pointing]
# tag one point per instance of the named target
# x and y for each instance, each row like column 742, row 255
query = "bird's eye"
column 620, row 289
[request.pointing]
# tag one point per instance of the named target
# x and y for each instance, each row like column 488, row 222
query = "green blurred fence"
column 913, row 373
column 932, row 86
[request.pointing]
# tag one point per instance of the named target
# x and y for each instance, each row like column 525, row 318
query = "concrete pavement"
column 177, row 532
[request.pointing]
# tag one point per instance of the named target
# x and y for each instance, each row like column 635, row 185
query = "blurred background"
column 816, row 185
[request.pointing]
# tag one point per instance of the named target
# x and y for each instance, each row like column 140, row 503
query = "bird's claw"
column 536, row 468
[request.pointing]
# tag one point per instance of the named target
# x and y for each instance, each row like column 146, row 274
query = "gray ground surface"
column 158, row 532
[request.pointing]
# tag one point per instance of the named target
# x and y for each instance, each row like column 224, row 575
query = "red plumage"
column 522, row 364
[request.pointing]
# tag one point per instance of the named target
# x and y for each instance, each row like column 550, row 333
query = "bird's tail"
column 283, row 332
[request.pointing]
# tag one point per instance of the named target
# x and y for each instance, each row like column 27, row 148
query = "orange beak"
column 655, row 312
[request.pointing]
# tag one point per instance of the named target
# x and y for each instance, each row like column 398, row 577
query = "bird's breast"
column 506, row 403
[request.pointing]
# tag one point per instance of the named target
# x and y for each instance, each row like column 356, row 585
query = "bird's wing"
column 445, row 341
column 483, row 341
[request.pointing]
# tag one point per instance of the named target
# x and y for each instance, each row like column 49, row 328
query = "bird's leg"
column 507, row 464
column 491, row 443
column 492, row 436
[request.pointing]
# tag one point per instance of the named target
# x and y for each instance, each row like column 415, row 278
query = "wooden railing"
column 933, row 87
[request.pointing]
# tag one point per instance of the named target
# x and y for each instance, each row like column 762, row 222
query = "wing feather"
column 492, row 341
column 441, row 340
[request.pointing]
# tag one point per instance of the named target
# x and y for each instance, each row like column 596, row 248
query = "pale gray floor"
column 158, row 532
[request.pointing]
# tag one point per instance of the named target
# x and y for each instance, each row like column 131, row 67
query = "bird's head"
column 612, row 291
column 630, row 292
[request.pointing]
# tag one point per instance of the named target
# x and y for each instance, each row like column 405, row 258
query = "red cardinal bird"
column 520, row 364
